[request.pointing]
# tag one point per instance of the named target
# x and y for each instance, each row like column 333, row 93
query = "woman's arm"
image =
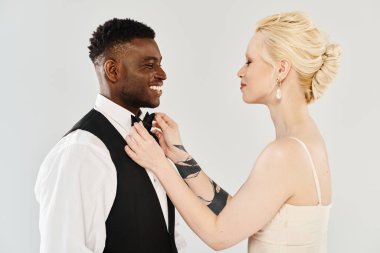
column 256, row 203
column 203, row 186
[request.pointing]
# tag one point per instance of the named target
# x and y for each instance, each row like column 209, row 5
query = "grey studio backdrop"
column 48, row 83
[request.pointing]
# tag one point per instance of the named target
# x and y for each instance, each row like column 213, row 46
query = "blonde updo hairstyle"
column 294, row 37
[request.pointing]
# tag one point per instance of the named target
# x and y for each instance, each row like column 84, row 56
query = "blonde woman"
column 284, row 205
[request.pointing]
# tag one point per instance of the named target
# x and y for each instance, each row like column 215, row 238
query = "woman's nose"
column 241, row 72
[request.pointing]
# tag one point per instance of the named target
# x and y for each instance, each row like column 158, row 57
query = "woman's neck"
column 289, row 117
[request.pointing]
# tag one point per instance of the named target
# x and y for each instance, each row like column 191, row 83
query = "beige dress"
column 295, row 229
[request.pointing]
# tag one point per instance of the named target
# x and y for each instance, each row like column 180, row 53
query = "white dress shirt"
column 76, row 187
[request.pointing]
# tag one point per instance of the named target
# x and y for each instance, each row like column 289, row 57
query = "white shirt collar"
column 117, row 115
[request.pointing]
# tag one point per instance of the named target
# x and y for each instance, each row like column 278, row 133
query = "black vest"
column 135, row 223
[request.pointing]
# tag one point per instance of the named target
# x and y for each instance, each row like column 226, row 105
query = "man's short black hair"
column 117, row 31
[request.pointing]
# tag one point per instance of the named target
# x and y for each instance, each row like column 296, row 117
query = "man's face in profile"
column 141, row 75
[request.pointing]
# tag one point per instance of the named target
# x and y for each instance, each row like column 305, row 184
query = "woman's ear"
column 111, row 70
column 283, row 69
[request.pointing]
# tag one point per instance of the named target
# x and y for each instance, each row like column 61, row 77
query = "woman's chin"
column 248, row 100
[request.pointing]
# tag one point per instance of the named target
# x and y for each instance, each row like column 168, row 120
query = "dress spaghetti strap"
column 316, row 180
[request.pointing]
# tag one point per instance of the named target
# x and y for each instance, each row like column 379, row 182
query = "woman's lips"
column 242, row 85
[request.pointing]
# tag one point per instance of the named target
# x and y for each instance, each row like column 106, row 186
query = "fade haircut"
column 114, row 32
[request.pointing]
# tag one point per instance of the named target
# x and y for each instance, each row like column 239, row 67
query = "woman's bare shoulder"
column 282, row 148
column 282, row 153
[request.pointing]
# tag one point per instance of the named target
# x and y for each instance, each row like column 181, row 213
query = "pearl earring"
column 278, row 91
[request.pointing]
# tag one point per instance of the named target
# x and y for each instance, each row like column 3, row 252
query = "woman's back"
column 302, row 226
column 294, row 229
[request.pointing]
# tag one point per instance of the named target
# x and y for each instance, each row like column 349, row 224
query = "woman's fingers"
column 164, row 118
column 130, row 152
column 135, row 134
column 141, row 130
column 160, row 137
column 156, row 132
column 169, row 121
column 131, row 143
column 156, row 125
column 159, row 114
column 162, row 124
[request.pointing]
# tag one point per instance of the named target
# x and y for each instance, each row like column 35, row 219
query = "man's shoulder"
column 79, row 153
column 76, row 147
column 79, row 137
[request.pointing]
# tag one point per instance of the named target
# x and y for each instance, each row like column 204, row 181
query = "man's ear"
column 111, row 70
column 284, row 68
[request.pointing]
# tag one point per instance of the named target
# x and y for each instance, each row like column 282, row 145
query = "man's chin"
column 152, row 104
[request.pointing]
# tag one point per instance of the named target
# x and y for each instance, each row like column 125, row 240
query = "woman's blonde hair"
column 294, row 37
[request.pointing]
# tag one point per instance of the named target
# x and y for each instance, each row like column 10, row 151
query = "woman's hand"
column 169, row 137
column 143, row 148
column 169, row 129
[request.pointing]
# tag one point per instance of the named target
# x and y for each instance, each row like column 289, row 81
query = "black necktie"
column 147, row 122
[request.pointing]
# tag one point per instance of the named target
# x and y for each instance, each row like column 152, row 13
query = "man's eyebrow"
column 152, row 58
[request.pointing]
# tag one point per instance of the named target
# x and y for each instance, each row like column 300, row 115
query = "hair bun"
column 324, row 76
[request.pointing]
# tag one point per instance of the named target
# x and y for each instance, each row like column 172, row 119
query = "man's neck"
column 135, row 111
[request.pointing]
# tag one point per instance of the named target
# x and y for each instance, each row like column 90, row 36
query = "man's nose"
column 160, row 74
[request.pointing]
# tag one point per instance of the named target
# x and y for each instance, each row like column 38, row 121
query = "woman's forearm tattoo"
column 190, row 169
column 220, row 199
column 181, row 147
